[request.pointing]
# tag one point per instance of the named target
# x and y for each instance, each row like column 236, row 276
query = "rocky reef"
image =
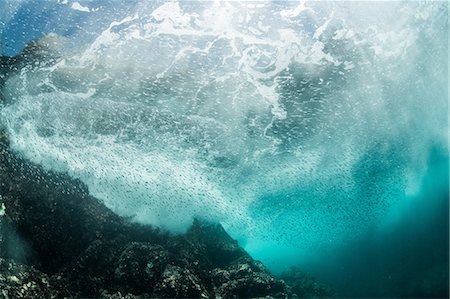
column 57, row 241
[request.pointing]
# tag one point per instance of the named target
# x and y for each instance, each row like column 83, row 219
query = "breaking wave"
column 296, row 125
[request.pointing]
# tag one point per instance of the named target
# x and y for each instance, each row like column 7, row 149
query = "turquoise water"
column 315, row 132
column 406, row 256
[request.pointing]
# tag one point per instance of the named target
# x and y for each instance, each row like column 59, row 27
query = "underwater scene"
column 224, row 149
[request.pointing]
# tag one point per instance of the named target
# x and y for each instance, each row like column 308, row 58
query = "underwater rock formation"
column 79, row 248
column 20, row 281
column 303, row 285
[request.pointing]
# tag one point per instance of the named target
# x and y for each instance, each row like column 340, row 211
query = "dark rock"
column 246, row 278
column 140, row 266
column 20, row 281
column 177, row 282
column 219, row 247
column 303, row 285
column 91, row 272
column 118, row 295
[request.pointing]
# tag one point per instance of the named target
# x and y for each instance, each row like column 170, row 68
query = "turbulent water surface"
column 302, row 127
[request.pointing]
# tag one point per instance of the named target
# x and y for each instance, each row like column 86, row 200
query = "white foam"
column 79, row 7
